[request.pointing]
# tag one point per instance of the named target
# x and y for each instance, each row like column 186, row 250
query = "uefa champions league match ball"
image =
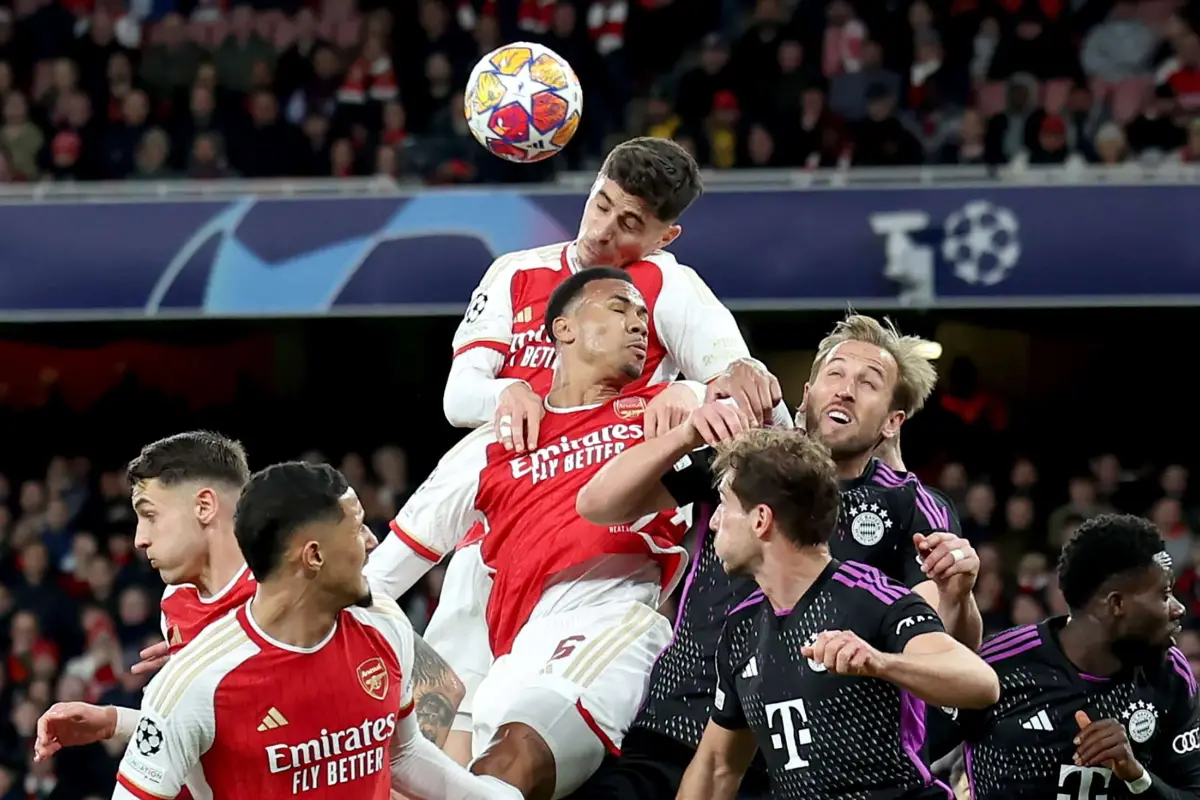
column 523, row 102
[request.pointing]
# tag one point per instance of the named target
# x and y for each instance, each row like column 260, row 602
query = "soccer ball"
column 523, row 102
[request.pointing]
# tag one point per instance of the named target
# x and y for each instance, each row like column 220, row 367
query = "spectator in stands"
column 848, row 91
column 882, row 140
column 1154, row 130
column 699, row 85
column 169, row 65
column 235, row 57
column 1009, row 131
column 21, row 137
column 1121, row 47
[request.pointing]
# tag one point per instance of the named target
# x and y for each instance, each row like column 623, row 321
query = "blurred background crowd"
column 155, row 89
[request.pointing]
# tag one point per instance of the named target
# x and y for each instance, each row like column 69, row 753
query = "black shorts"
column 650, row 767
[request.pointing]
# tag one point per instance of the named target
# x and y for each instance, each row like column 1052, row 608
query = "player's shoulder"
column 386, row 617
column 192, row 677
column 748, row 611
column 664, row 261
column 1017, row 647
column 1177, row 680
column 867, row 585
column 545, row 257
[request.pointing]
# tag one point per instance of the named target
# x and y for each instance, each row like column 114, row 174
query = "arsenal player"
column 308, row 687
column 504, row 362
column 571, row 613
column 185, row 488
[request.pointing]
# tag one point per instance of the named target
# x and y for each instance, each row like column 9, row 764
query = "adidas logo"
column 1038, row 722
column 272, row 720
column 751, row 670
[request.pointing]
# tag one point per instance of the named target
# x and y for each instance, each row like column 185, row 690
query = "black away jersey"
column 824, row 735
column 881, row 510
column 1023, row 745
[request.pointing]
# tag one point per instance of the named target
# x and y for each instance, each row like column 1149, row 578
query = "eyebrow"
column 626, row 215
column 625, row 299
column 871, row 367
column 142, row 501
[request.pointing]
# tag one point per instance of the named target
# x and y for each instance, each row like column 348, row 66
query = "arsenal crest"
column 629, row 407
column 373, row 677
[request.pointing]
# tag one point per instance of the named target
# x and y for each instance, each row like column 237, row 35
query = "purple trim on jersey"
column 912, row 737
column 860, row 576
column 1002, row 639
column 936, row 515
column 969, row 767
column 1014, row 646
column 1184, row 667
column 1093, row 678
column 755, row 598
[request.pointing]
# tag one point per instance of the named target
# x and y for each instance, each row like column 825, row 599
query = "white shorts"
column 577, row 678
column 458, row 629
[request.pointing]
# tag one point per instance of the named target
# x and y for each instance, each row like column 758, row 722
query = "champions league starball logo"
column 980, row 242
column 148, row 738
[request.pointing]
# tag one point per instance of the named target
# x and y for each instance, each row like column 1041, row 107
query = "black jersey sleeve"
column 690, row 479
column 1177, row 751
column 931, row 511
column 904, row 619
column 727, row 706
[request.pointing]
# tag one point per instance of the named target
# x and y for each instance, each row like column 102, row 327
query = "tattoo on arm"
column 437, row 691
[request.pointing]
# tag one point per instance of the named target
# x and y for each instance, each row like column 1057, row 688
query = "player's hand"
column 153, row 657
column 755, row 390
column 949, row 561
column 518, row 418
column 844, row 653
column 715, row 422
column 668, row 410
column 72, row 725
column 1104, row 743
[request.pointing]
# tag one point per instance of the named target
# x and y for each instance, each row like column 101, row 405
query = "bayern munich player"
column 571, row 614
column 305, row 689
column 503, row 364
column 185, row 488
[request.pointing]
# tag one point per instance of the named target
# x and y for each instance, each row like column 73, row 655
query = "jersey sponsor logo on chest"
column 532, row 349
column 334, row 757
column 567, row 454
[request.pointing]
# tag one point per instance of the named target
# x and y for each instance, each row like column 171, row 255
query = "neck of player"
column 224, row 561
column 850, row 467
column 1086, row 646
column 293, row 612
column 578, row 384
column 788, row 571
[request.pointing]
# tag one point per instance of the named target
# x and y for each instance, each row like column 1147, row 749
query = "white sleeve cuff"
column 127, row 722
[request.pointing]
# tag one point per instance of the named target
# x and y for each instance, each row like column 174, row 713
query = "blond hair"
column 915, row 375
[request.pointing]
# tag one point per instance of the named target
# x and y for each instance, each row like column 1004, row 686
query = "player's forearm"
column 707, row 779
column 394, row 568
column 955, row 677
column 472, row 389
column 960, row 615
column 1158, row 790
column 420, row 769
column 630, row 485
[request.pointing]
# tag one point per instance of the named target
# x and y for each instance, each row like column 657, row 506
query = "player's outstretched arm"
column 420, row 769
column 78, row 724
column 934, row 667
column 437, row 691
column 652, row 476
column 720, row 762
column 480, row 345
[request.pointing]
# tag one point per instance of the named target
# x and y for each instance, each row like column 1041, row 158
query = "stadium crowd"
column 158, row 89
column 78, row 601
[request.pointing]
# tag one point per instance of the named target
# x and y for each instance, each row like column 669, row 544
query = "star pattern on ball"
column 517, row 88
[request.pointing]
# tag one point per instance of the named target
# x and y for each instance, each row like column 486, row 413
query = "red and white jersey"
column 527, row 503
column 690, row 330
column 185, row 612
column 237, row 714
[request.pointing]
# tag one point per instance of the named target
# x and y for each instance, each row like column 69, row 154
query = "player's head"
column 776, row 485
column 303, row 523
column 184, row 487
column 598, row 318
column 865, row 381
column 643, row 188
column 1117, row 571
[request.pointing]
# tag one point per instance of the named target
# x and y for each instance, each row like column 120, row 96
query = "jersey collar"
column 864, row 477
column 810, row 593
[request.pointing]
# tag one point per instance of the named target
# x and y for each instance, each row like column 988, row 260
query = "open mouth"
column 839, row 416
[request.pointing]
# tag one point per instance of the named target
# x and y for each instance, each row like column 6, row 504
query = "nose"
column 141, row 539
column 715, row 522
column 371, row 539
column 1177, row 609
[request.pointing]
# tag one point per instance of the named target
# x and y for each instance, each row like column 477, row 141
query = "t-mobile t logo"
column 1081, row 788
column 908, row 262
column 794, row 722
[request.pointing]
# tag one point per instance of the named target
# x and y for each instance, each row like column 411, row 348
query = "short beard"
column 1134, row 653
column 844, row 452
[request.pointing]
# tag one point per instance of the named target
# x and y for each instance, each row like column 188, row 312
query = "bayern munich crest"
column 628, row 408
column 868, row 524
column 815, row 666
column 1141, row 719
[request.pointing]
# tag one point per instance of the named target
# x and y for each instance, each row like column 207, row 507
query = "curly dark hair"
column 1104, row 548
